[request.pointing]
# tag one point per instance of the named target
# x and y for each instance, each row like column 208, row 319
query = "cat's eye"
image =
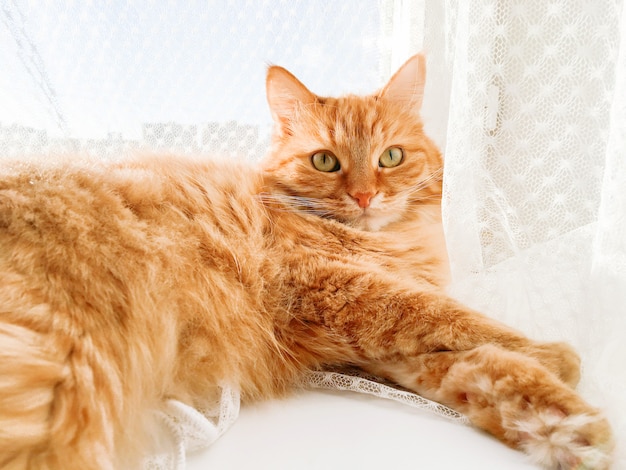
column 391, row 157
column 325, row 161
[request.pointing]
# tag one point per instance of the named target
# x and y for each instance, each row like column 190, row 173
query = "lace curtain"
column 530, row 100
column 527, row 98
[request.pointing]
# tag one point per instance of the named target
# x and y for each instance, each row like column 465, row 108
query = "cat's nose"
column 363, row 199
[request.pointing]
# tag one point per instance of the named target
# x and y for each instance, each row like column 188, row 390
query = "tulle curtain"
column 530, row 105
column 527, row 98
column 109, row 77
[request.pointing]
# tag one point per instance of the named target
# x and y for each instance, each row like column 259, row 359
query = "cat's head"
column 362, row 160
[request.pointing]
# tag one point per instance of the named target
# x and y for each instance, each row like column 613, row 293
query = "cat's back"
column 92, row 197
column 87, row 233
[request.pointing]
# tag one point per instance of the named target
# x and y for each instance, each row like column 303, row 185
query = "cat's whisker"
column 421, row 204
column 415, row 194
column 435, row 176
column 299, row 204
column 434, row 198
column 288, row 200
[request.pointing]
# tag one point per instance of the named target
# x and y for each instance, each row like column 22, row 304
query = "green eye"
column 391, row 157
column 325, row 161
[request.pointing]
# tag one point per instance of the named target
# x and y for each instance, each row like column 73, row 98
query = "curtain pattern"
column 535, row 173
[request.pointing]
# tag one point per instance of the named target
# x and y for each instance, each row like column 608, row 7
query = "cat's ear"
column 285, row 93
column 407, row 84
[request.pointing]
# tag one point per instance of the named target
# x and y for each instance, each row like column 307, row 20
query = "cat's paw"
column 524, row 404
column 562, row 439
column 560, row 358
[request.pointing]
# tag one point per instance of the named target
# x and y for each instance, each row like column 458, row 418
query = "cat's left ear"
column 407, row 84
column 285, row 95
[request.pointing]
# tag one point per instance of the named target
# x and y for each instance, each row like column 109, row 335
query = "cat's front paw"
column 527, row 406
column 570, row 436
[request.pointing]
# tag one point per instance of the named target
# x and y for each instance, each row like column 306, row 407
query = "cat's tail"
column 29, row 375
column 50, row 417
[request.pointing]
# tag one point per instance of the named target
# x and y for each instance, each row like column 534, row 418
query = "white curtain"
column 530, row 105
column 527, row 98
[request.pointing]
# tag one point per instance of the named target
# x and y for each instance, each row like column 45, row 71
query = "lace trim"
column 357, row 381
column 189, row 429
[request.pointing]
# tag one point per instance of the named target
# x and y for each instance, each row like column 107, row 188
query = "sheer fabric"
column 527, row 99
column 534, row 206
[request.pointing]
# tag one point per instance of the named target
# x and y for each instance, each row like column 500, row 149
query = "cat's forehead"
column 351, row 119
column 351, row 109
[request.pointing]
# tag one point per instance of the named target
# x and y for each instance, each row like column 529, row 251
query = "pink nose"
column 363, row 199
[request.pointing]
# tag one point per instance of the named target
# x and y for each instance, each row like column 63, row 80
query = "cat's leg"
column 560, row 358
column 513, row 397
column 506, row 383
column 474, row 329
column 423, row 322
column 463, row 329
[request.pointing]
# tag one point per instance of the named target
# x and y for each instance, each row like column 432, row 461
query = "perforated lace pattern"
column 360, row 383
column 529, row 104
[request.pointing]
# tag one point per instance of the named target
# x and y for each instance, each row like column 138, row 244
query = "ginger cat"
column 364, row 161
column 125, row 284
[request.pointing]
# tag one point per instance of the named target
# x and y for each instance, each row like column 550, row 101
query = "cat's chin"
column 374, row 223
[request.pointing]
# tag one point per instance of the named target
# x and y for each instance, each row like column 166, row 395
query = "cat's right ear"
column 285, row 95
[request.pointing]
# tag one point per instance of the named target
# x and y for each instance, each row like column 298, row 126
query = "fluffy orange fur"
column 125, row 284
